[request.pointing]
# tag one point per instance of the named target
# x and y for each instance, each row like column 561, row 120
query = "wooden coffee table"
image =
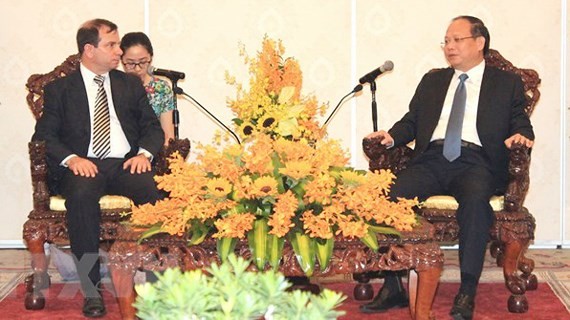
column 416, row 251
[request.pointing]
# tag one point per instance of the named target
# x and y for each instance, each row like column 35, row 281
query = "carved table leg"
column 422, row 288
column 39, row 279
column 123, row 282
column 517, row 302
column 363, row 290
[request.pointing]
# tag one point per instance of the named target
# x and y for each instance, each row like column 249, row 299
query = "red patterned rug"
column 64, row 302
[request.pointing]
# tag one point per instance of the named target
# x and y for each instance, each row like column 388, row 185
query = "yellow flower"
column 283, row 212
column 296, row 169
column 234, row 225
column 318, row 226
column 219, row 187
column 320, row 189
column 265, row 186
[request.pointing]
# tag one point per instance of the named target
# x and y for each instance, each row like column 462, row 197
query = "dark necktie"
column 101, row 122
column 452, row 142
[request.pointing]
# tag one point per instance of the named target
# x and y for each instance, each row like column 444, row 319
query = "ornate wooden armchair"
column 46, row 222
column 514, row 225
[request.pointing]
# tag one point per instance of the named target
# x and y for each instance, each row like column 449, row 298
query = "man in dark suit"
column 101, row 135
column 491, row 119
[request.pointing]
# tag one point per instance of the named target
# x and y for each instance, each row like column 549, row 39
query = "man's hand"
column 82, row 167
column 518, row 139
column 138, row 164
column 386, row 138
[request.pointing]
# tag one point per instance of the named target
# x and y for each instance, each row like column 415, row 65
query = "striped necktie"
column 101, row 122
column 452, row 142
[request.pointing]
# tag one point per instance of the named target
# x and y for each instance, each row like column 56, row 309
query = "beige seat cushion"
column 449, row 203
column 57, row 203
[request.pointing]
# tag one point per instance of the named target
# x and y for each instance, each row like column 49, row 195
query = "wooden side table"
column 416, row 251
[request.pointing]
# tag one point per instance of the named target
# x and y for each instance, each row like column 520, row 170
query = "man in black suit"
column 493, row 119
column 101, row 135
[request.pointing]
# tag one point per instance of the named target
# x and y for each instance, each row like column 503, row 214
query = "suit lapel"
column 439, row 99
column 487, row 87
column 117, row 89
column 78, row 98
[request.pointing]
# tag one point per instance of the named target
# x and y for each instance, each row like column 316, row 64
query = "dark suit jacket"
column 500, row 114
column 65, row 124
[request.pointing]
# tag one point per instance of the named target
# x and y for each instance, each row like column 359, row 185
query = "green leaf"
column 274, row 250
column 324, row 252
column 151, row 231
column 257, row 239
column 198, row 232
column 370, row 240
column 225, row 246
column 304, row 247
column 384, row 230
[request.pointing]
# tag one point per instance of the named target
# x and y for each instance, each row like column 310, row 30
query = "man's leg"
column 83, row 227
column 141, row 188
column 416, row 181
column 472, row 190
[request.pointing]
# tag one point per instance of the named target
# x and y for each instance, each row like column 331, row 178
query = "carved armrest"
column 381, row 157
column 519, row 164
column 180, row 145
column 39, row 172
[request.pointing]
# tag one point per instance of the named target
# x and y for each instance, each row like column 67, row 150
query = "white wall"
column 336, row 42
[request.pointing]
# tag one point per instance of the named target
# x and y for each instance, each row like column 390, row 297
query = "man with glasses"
column 100, row 135
column 463, row 120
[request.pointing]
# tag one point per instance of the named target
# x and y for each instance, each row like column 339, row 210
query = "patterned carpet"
column 552, row 266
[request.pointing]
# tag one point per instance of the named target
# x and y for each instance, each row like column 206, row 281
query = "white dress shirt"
column 473, row 88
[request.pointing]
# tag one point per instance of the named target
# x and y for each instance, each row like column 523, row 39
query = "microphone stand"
column 374, row 109
column 175, row 115
column 355, row 90
column 178, row 90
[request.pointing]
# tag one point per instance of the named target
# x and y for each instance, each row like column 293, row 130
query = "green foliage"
column 231, row 292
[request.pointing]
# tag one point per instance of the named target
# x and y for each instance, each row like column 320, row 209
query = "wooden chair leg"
column 39, row 279
column 526, row 266
column 517, row 302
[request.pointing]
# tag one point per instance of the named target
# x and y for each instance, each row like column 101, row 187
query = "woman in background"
column 136, row 59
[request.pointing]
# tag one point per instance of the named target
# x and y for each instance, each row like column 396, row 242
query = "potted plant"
column 230, row 291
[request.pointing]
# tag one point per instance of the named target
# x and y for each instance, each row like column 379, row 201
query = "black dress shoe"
column 463, row 306
column 386, row 301
column 94, row 307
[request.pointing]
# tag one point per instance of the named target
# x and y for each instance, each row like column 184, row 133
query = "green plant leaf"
column 151, row 231
column 258, row 242
column 304, row 247
column 324, row 252
column 370, row 240
column 384, row 230
column 225, row 246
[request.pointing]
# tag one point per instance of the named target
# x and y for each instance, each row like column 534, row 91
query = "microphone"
column 170, row 74
column 372, row 75
column 178, row 90
column 355, row 90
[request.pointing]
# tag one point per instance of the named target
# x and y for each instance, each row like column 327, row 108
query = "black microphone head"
column 387, row 66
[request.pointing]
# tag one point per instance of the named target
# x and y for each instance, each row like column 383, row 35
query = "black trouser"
column 84, row 215
column 469, row 180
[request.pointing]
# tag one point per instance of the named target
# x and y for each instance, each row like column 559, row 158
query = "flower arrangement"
column 286, row 181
